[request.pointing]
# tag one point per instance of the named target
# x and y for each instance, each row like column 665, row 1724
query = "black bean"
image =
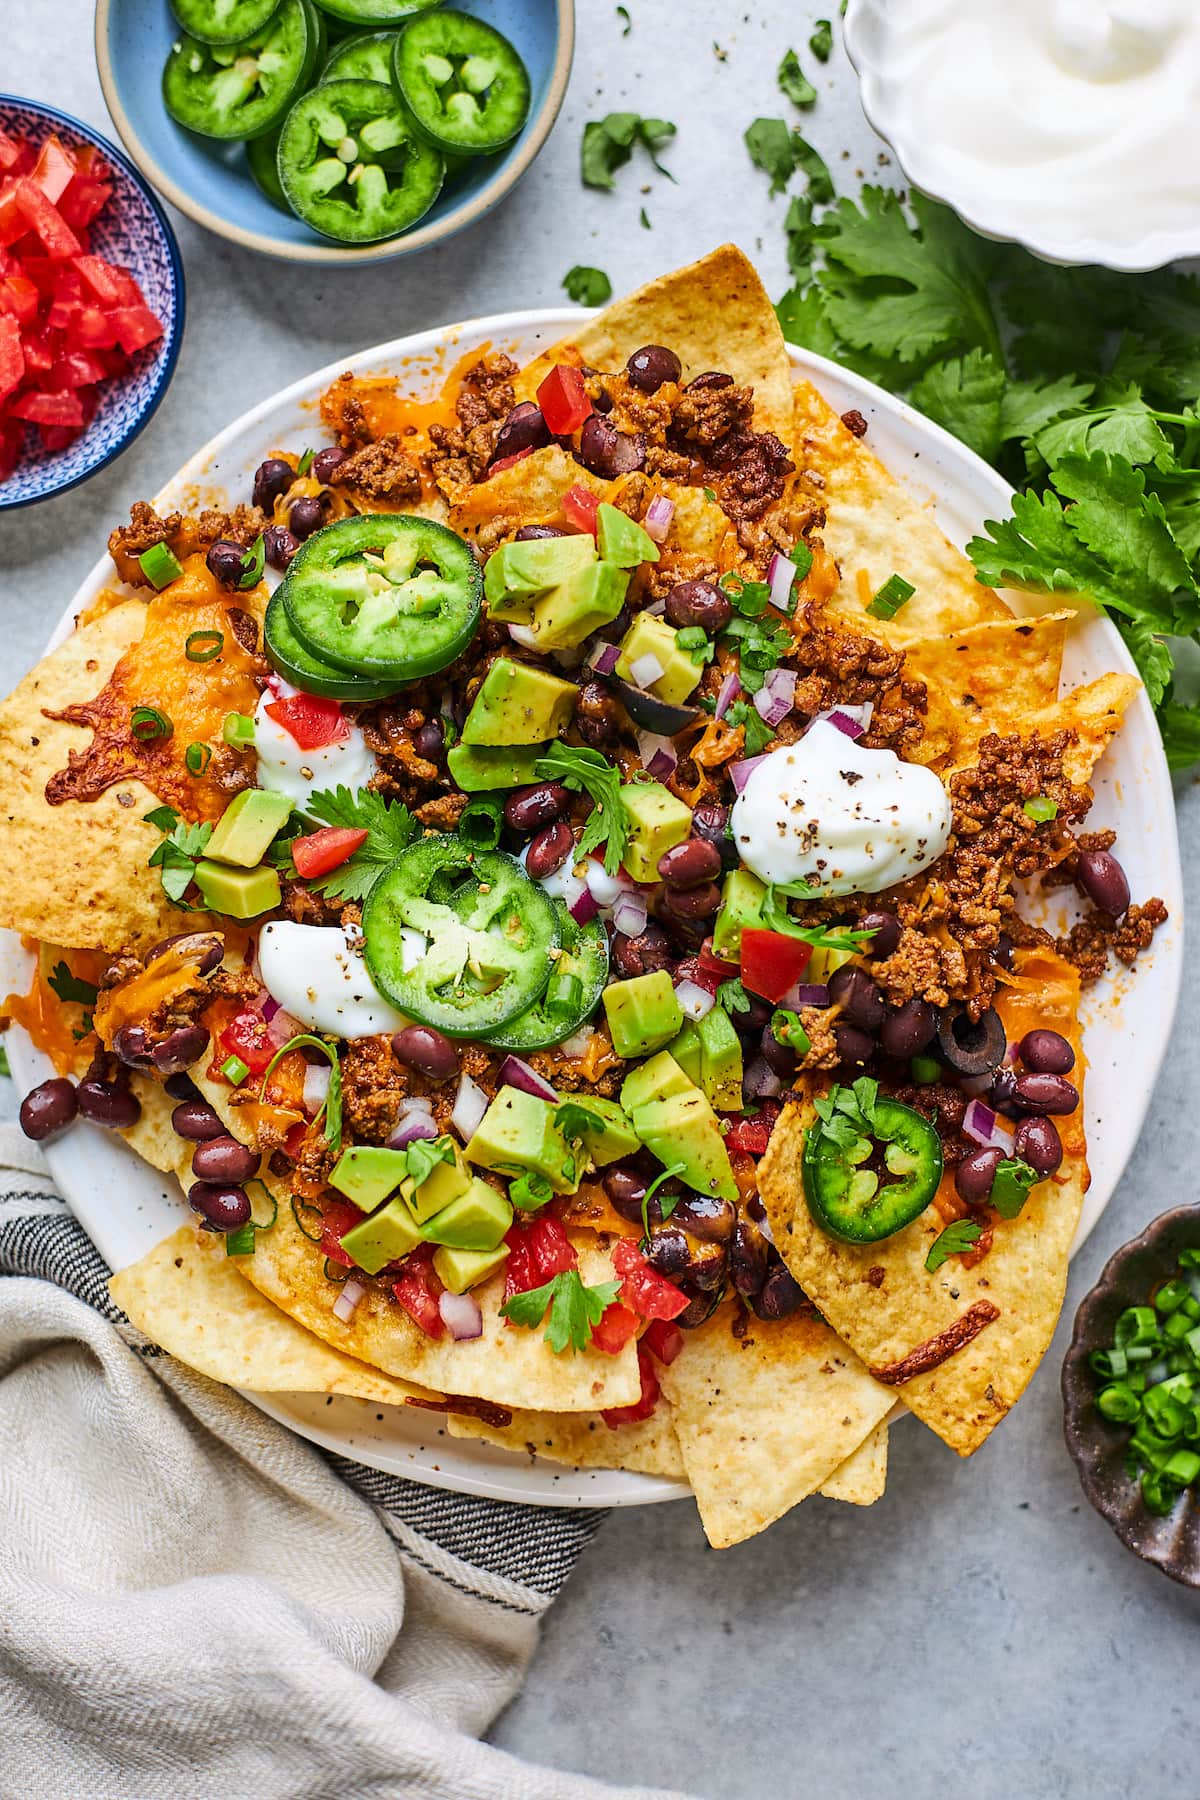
column 854, row 1046
column 779, row 1296
column 1045, row 1094
column 778, row 1057
column 972, row 1046
column 279, row 546
column 48, row 1109
column 221, row 1208
column 429, row 739
column 1002, row 955
column 1036, row 1141
column 711, row 378
column 203, row 947
column 196, row 1121
column 1103, row 880
column 757, row 1016
column 1046, row 1052
column 108, row 1103
column 701, row 603
column 907, row 1031
column 180, row 1050
column 886, row 927
column 271, row 479
column 597, row 716
column 422, row 1048
column 181, row 1087
column 626, row 1189
column 711, row 822
column 975, row 1174
column 325, row 462
column 1002, row 1093
column 131, row 1045
column 603, row 402
column 669, row 1252
column 860, row 998
column 693, row 903
column 643, row 955
column 700, row 1307
column 549, row 850
column 748, row 1255
column 529, row 534
column 223, row 1161
column 704, row 1216
column 528, row 809
column 650, row 366
column 686, row 865
column 524, row 429
column 306, row 515
column 224, row 561
column 609, row 452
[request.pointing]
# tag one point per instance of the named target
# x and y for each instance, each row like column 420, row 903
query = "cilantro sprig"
column 331, row 1109
column 573, row 1308
column 608, row 144
column 76, row 992
column 956, row 1238
column 588, row 772
column 176, row 856
column 775, row 917
column 390, row 828
column 587, row 286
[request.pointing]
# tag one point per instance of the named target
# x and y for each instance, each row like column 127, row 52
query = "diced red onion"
column 781, row 573
column 655, row 751
column 518, row 1074
column 740, row 772
column 661, row 766
column 410, row 1128
column 604, row 657
column 696, row 1003
column 578, row 1043
column 584, row 907
column 346, row 1304
column 645, row 670
column 761, row 1081
column 317, row 1077
column 659, row 515
column 629, row 914
column 470, row 1104
column 460, row 1315
column 810, row 993
column 727, row 693
column 656, row 608
column 774, row 698
column 269, row 1008
column 521, row 634
column 981, row 1124
column 850, row 720
column 281, row 1028
column 604, row 888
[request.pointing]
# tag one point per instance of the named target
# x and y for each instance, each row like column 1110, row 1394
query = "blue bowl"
column 133, row 232
column 209, row 181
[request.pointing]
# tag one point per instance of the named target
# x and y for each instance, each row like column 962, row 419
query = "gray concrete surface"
column 979, row 1630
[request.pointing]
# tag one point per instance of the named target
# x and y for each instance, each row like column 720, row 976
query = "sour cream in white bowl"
column 1069, row 126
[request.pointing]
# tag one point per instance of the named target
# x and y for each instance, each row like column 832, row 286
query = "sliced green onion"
column 1119, row 1403
column 203, row 646
column 305, row 463
column 895, row 593
column 160, row 565
column 241, row 1241
column 238, row 731
column 235, row 1070
column 306, row 1206
column 564, row 993
column 529, row 1192
column 1159, row 1495
column 148, row 724
column 481, row 822
column 1041, row 809
column 925, row 1070
column 802, row 556
column 265, row 1223
column 197, row 757
column 253, row 563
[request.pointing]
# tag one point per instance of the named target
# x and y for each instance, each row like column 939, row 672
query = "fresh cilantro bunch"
column 1080, row 385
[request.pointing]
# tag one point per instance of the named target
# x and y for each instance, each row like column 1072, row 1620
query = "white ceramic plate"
column 126, row 1207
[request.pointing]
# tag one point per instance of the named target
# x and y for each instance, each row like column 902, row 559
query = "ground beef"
column 633, row 412
column 443, row 813
column 913, row 971
column 304, row 907
column 381, row 471
column 460, row 458
column 342, row 413
column 945, row 1107
column 184, row 534
column 672, row 465
column 390, row 729
column 1063, row 874
column 781, row 528
column 753, row 479
column 854, row 422
column 487, row 391
column 373, row 1085
column 707, row 417
column 1089, row 942
column 822, row 1052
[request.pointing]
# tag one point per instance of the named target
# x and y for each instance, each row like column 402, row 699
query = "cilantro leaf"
column 1010, row 1186
column 626, row 21
column 72, row 988
column 965, row 394
column 587, row 287
column 776, row 917
column 821, row 41
column 667, row 1204
column 772, row 149
column 424, row 1155
column 576, row 1122
column 1127, row 427
column 1181, row 733
column 176, row 856
column 588, row 772
column 794, row 84
column 799, row 235
column 733, row 997
column 804, row 320
column 952, row 1242
column 757, row 732
column 390, row 826
column 608, row 144
column 574, row 1309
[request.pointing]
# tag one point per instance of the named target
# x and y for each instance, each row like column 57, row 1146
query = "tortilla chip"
column 716, row 308
column 975, row 1333
column 583, row 1440
column 76, row 874
column 996, row 676
column 1094, row 714
column 861, row 1479
column 765, row 1419
column 875, row 528
column 152, row 1136
column 187, row 1297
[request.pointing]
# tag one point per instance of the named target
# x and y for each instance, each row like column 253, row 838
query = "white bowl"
column 881, row 84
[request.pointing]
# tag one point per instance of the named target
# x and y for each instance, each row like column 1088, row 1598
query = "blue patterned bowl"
column 133, row 232
column 209, row 181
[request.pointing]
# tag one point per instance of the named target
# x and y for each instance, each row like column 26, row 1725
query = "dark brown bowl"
column 1098, row 1446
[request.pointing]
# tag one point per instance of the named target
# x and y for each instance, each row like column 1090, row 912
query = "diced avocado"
column 658, row 820
column 462, row 1269
column 741, row 905
column 825, row 962
column 478, row 768
column 368, row 1173
column 383, row 1238
column 518, row 1132
column 516, row 574
column 444, row 1183
column 238, row 893
column 653, row 1080
column 242, row 835
column 573, row 610
column 518, row 704
column 618, row 1137
column 686, row 1051
column 477, row 1220
column 684, row 1129
column 621, row 539
column 720, row 1060
column 651, row 636
column 643, row 1014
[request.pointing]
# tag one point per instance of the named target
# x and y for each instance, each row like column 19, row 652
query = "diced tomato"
column 77, row 368
column 642, row 1407
column 47, row 409
column 663, row 1340
column 617, row 1325
column 10, row 153
column 650, row 1294
column 693, row 969
column 53, row 169
column 417, row 1290
column 19, row 297
column 247, row 1035
column 518, row 1270
column 57, row 238
column 749, row 1135
column 293, row 1138
column 10, row 449
column 563, row 399
column 12, row 357
column 506, row 462
column 92, row 329
column 100, row 279
column 326, row 849
column 772, row 962
column 313, row 722
column 337, row 1218
column 580, row 506
column 538, row 1251
column 726, row 970
column 84, row 201
column 13, row 223
column 135, row 326
column 41, row 348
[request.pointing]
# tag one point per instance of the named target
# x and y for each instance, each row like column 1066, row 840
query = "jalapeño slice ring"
column 572, row 993
column 466, row 85
column 850, row 1199
column 461, row 940
column 222, row 21
column 353, row 164
column 243, row 90
column 367, row 13
column 296, row 664
column 367, row 56
column 385, row 596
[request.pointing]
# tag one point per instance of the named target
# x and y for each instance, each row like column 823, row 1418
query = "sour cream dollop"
column 849, row 820
column 317, row 973
column 285, row 767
